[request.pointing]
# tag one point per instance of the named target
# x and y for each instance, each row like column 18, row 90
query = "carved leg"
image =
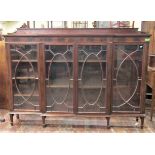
column 108, row 122
column 142, row 122
column 136, row 119
column 11, row 119
column 17, row 116
column 43, row 120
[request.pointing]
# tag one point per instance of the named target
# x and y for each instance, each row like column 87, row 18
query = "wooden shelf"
column 24, row 61
column 61, row 84
column 92, row 61
column 92, row 87
column 58, row 86
column 80, row 61
column 25, row 78
column 61, row 61
column 18, row 95
column 139, row 79
column 71, row 86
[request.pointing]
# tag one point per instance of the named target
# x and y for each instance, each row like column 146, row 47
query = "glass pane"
column 92, row 78
column 59, row 74
column 127, row 77
column 24, row 69
column 23, row 52
column 26, row 94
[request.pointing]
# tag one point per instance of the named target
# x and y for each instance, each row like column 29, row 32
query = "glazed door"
column 59, row 78
column 24, row 76
column 127, row 77
column 92, row 78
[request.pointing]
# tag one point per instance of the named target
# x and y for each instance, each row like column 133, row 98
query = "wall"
column 10, row 26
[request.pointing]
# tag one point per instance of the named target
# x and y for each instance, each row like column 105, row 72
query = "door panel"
column 24, row 67
column 59, row 78
column 127, row 77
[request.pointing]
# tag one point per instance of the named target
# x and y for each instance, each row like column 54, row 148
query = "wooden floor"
column 32, row 123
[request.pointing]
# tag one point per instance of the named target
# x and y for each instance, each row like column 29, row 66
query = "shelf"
column 139, row 79
column 150, row 94
column 25, row 78
column 24, row 61
column 58, row 86
column 118, row 60
column 80, row 61
column 71, row 86
column 19, row 95
column 61, row 61
column 92, row 87
column 60, row 79
column 73, row 79
column 92, row 61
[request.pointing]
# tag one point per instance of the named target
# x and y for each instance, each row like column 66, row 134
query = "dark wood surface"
column 75, row 37
column 78, row 32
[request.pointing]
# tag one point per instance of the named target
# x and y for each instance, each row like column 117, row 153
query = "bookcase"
column 77, row 72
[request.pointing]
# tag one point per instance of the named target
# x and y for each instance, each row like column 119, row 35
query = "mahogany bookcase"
column 77, row 72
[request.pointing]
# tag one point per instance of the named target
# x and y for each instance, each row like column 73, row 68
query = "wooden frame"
column 76, row 37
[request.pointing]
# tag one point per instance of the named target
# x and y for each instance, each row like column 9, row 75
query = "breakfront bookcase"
column 77, row 72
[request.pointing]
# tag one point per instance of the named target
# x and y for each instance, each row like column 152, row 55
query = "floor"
column 33, row 123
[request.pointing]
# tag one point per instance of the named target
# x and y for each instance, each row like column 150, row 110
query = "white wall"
column 10, row 26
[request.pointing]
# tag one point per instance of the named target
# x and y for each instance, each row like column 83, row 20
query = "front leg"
column 11, row 119
column 142, row 122
column 17, row 116
column 43, row 121
column 108, row 122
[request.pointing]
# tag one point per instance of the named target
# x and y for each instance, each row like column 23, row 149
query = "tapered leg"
column 136, row 119
column 108, row 122
column 11, row 119
column 142, row 122
column 43, row 120
column 17, row 116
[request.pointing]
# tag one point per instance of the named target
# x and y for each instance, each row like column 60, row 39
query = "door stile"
column 41, row 71
column 75, row 79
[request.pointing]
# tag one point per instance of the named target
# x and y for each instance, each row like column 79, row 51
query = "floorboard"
column 33, row 124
